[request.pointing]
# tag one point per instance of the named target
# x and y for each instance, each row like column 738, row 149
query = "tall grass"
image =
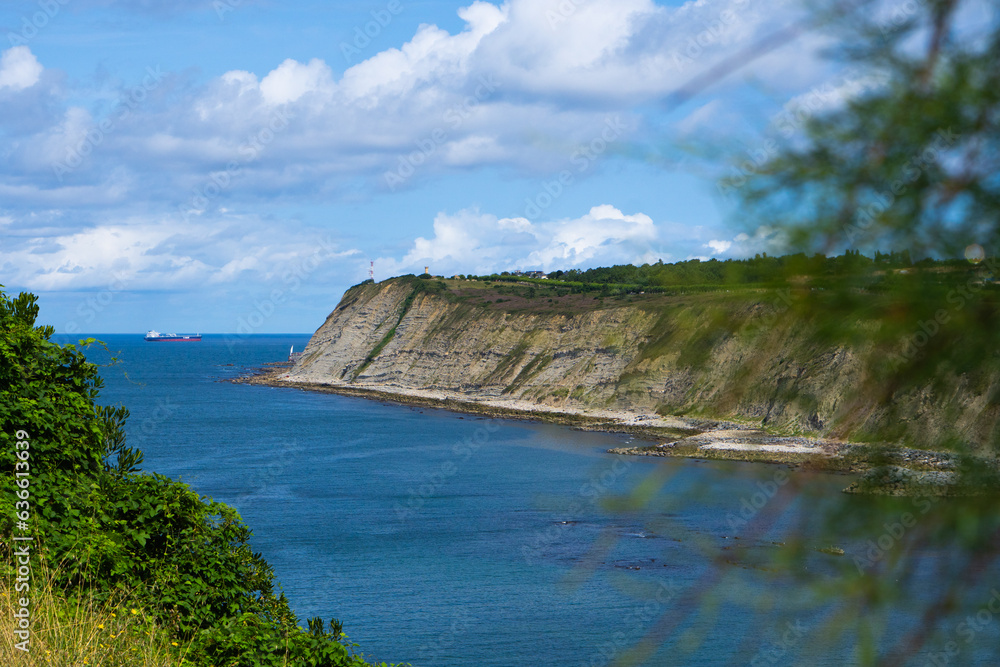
column 82, row 630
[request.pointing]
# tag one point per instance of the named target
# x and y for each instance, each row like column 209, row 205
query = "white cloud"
column 432, row 57
column 290, row 80
column 523, row 86
column 61, row 140
column 616, row 52
column 764, row 239
column 160, row 253
column 579, row 47
column 830, row 95
column 520, row 88
column 514, row 88
column 470, row 241
column 476, row 149
column 603, row 234
column 719, row 247
column 19, row 69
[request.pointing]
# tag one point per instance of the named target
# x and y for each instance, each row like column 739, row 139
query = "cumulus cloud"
column 291, row 80
column 764, row 239
column 160, row 180
column 523, row 85
column 19, row 69
column 719, row 247
column 767, row 239
column 471, row 241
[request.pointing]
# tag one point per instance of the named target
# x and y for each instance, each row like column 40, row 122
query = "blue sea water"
column 448, row 539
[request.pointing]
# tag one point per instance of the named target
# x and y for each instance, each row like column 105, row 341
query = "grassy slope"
column 82, row 631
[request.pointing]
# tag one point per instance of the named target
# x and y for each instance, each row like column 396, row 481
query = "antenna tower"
column 371, row 271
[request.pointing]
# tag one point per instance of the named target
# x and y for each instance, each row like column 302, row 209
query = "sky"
column 234, row 165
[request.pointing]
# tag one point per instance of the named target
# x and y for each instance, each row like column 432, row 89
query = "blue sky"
column 199, row 164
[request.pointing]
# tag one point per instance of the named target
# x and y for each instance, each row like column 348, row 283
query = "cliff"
column 743, row 355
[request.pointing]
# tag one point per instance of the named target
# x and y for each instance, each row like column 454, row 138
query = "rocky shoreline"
column 650, row 427
column 895, row 471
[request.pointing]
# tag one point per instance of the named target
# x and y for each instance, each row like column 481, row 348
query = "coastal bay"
column 443, row 538
column 443, row 542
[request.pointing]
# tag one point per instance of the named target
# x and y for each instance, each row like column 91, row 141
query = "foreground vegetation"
column 82, row 630
column 108, row 537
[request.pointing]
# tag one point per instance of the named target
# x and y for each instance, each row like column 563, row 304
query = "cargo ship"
column 171, row 338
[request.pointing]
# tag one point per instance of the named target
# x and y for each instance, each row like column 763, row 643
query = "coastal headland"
column 721, row 374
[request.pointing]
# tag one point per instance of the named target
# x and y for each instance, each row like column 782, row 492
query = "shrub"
column 106, row 531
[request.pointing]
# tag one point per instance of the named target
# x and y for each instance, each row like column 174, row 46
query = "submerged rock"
column 899, row 481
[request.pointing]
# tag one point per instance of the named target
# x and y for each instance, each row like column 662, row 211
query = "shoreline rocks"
column 913, row 472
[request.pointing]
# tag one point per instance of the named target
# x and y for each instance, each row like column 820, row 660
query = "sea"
column 447, row 539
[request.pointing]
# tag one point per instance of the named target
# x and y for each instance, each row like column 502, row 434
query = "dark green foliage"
column 911, row 163
column 104, row 528
column 654, row 278
column 424, row 285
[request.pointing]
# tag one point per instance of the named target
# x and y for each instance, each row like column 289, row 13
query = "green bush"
column 104, row 529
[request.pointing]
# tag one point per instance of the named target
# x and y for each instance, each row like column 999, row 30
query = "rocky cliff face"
column 704, row 355
column 435, row 344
